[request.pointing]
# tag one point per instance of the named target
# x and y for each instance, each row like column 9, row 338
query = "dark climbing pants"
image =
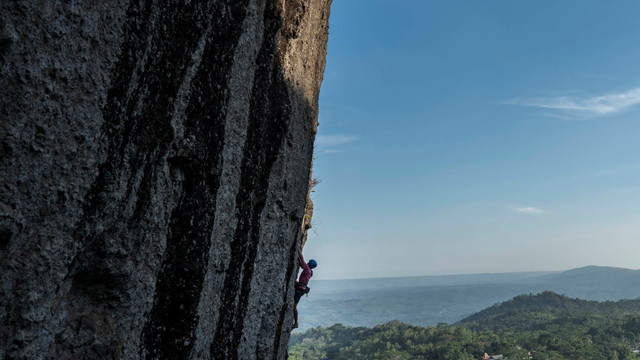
column 298, row 295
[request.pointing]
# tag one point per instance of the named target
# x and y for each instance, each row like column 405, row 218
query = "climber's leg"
column 296, row 298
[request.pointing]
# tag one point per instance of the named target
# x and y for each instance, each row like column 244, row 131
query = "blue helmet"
column 313, row 263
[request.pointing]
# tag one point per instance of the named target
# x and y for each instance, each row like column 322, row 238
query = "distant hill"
column 590, row 273
column 429, row 300
column 594, row 283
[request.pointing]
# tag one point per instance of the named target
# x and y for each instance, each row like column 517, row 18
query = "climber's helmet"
column 313, row 263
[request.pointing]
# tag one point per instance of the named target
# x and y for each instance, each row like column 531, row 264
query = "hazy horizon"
column 316, row 278
column 477, row 137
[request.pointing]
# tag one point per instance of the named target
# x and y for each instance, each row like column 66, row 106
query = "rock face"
column 154, row 168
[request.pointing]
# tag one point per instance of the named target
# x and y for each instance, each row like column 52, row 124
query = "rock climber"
column 302, row 283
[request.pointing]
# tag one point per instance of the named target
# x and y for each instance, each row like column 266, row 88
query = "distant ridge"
column 592, row 273
column 595, row 283
column 608, row 278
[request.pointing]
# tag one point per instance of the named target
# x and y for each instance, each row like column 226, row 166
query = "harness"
column 303, row 286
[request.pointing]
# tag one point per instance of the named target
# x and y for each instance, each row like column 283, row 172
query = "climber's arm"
column 301, row 262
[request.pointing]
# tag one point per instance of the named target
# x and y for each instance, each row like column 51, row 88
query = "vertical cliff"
column 154, row 170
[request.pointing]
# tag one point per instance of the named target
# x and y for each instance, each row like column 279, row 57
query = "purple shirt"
column 306, row 274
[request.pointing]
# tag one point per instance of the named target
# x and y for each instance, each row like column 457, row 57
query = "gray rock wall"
column 154, row 168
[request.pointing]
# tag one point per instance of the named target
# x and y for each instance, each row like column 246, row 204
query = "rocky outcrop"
column 308, row 209
column 154, row 169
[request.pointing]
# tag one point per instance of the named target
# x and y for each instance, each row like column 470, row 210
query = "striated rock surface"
column 154, row 169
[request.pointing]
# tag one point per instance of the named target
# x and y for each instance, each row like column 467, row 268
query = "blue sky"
column 478, row 136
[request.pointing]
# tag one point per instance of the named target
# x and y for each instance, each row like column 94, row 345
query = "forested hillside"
column 549, row 310
column 543, row 326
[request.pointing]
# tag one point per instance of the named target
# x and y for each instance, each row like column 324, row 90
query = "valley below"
column 586, row 313
column 429, row 300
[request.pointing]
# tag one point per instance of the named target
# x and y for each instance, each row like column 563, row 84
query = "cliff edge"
column 154, row 169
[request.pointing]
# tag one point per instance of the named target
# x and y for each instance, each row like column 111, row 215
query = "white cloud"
column 598, row 105
column 334, row 140
column 331, row 143
column 529, row 210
